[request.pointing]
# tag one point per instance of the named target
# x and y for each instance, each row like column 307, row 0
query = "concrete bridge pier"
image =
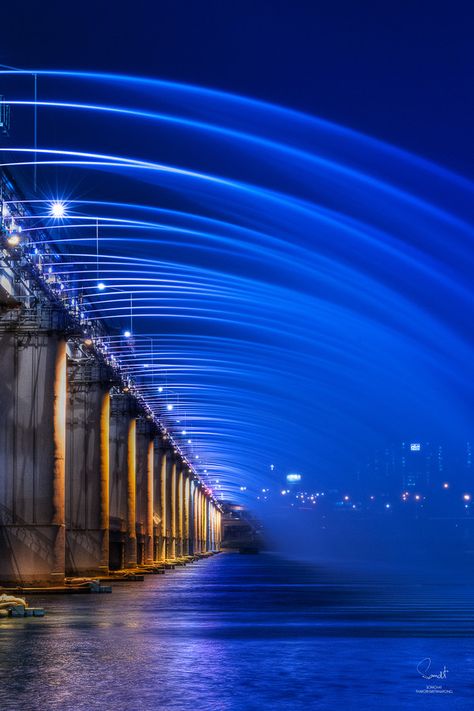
column 172, row 508
column 144, row 496
column 191, row 516
column 123, row 538
column 214, row 529
column 87, row 469
column 199, row 520
column 219, row 529
column 211, row 528
column 159, row 459
column 196, row 548
column 205, row 527
column 32, row 452
column 186, row 503
column 203, row 521
column 164, row 498
column 179, row 510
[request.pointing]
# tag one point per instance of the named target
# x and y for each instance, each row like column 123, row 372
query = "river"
column 246, row 633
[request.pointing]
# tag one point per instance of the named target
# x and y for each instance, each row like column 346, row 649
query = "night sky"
column 401, row 71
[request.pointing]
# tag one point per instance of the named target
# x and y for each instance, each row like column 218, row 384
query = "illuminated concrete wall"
column 186, row 518
column 87, row 470
column 85, row 481
column 164, row 498
column 158, row 460
column 145, row 489
column 173, row 508
column 32, row 456
column 123, row 539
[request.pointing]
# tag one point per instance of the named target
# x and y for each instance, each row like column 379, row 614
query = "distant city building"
column 412, row 465
column 293, row 478
column 422, row 464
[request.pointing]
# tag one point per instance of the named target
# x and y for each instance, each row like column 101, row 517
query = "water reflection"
column 242, row 632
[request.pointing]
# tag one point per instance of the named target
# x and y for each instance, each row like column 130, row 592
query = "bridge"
column 91, row 479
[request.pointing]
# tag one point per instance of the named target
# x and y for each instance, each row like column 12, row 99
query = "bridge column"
column 212, row 519
column 165, row 503
column 195, row 517
column 209, row 523
column 180, row 510
column 219, row 529
column 87, row 469
column 32, row 455
column 214, row 528
column 174, row 508
column 206, row 524
column 123, row 539
column 144, row 493
column 191, row 509
column 170, row 506
column 159, row 464
column 186, row 517
column 201, row 520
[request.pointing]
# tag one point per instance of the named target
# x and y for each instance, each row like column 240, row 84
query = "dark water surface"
column 243, row 632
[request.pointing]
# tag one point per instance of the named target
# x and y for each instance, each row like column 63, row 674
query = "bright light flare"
column 57, row 209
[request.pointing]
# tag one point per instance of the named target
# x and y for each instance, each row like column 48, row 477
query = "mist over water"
column 432, row 550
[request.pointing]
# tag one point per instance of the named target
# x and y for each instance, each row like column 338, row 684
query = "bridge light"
column 169, row 407
column 13, row 238
column 467, row 497
column 160, row 389
column 127, row 334
column 101, row 286
column 445, row 485
column 87, row 341
column 57, row 209
column 183, row 432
